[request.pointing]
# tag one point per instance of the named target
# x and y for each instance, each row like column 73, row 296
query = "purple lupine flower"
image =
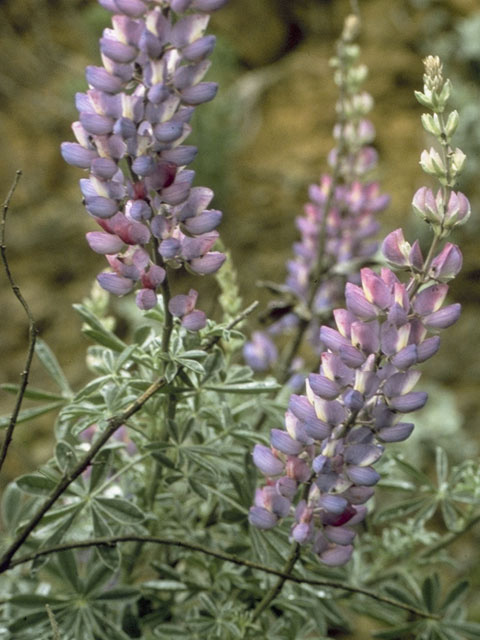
column 339, row 223
column 260, row 352
column 137, row 109
column 367, row 376
column 183, row 307
column 358, row 400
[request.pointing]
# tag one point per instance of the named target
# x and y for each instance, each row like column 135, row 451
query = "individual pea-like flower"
column 433, row 210
column 260, row 352
column 133, row 123
column 183, row 307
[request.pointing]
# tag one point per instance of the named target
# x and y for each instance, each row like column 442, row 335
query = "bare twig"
column 32, row 329
column 227, row 557
column 233, row 323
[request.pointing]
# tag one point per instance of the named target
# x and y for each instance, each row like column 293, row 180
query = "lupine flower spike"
column 133, row 122
column 340, row 220
column 354, row 406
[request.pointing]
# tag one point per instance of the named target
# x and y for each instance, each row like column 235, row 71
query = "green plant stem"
column 168, row 326
column 53, row 623
column 278, row 586
column 450, row 538
column 32, row 327
column 152, row 492
column 227, row 557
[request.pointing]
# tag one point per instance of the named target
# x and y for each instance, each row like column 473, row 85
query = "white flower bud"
column 458, row 161
column 431, row 124
column 452, row 124
column 432, row 163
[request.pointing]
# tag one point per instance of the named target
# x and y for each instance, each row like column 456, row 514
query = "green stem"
column 450, row 538
column 277, row 587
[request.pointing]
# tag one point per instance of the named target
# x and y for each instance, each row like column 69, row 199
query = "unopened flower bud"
column 432, row 163
column 431, row 124
column 458, row 210
column 447, row 264
column 426, row 205
column 458, row 161
column 452, row 124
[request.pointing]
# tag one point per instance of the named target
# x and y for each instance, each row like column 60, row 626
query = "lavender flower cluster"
column 353, row 406
column 339, row 221
column 133, row 121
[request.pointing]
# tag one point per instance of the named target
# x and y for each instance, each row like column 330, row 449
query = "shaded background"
column 262, row 141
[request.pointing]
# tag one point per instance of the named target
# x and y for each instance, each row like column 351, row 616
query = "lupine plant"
column 337, row 227
column 141, row 525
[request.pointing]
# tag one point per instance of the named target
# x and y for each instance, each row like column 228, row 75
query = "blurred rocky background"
column 262, row 141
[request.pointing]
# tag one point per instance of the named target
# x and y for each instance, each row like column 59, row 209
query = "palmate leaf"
column 198, row 487
column 249, row 387
column 38, row 622
column 225, row 497
column 97, row 331
column 30, row 414
column 413, row 472
column 35, row 601
column 431, row 592
column 125, row 357
column 99, row 575
column 441, row 465
column 400, row 593
column 118, row 594
column 68, row 569
column 464, row 630
column 455, row 594
column 452, row 515
column 402, row 509
column 119, row 510
column 36, row 484
column 50, row 362
column 109, row 555
column 65, row 455
column 100, row 468
column 32, row 393
column 12, row 508
column 169, row 631
column 62, row 527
